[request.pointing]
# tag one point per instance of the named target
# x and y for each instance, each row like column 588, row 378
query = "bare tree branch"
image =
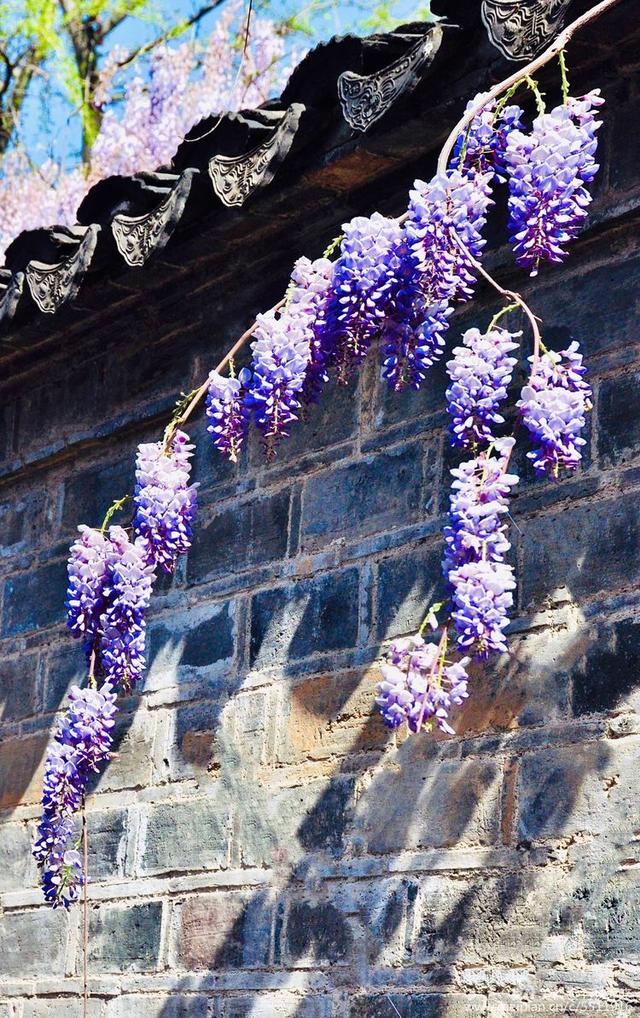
column 176, row 30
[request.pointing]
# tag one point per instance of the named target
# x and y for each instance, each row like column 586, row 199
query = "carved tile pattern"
column 137, row 237
column 54, row 285
column 366, row 98
column 234, row 178
column 522, row 28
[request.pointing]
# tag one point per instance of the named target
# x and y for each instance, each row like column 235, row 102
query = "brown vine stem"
column 556, row 47
column 85, row 913
column 228, row 357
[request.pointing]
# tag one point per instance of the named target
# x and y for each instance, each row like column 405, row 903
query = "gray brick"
column 423, row 802
column 144, row 1006
column 363, row 498
column 240, row 537
column 419, row 1005
column 47, row 1008
column 407, row 585
column 167, row 848
column 276, row 1005
column 197, row 639
column 18, row 687
column 35, row 599
column 107, row 843
column 17, row 868
column 619, row 418
column 310, row 617
column 225, row 930
column 65, row 667
column 612, row 922
column 89, row 493
column 317, row 931
column 125, row 939
column 581, row 551
column 32, row 943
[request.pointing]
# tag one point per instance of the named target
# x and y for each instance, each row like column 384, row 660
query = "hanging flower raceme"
column 287, row 355
column 444, row 214
column 122, row 625
column 420, row 686
column 113, row 605
column 553, row 407
column 166, row 504
column 480, row 372
column 413, row 331
column 228, row 412
column 476, row 544
column 548, row 173
column 82, row 743
column 88, row 571
column 482, row 146
column 355, row 310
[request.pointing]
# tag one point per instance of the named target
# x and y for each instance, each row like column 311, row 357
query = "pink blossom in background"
column 176, row 87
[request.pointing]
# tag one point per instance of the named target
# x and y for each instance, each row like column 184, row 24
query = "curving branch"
column 556, row 47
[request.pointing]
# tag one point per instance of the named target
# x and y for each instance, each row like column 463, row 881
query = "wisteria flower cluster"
column 480, row 372
column 553, row 407
column 166, row 504
column 81, row 744
column 419, row 686
column 549, row 170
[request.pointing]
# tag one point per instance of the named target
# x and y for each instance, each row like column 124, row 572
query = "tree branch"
column 171, row 32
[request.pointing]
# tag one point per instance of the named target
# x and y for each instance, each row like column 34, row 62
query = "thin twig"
column 228, row 357
column 556, row 47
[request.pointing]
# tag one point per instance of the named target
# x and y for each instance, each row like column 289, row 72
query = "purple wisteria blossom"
column 420, row 686
column 482, row 146
column 480, row 373
column 166, row 504
column 355, row 310
column 122, row 624
column 553, row 407
column 228, row 412
column 548, row 173
column 108, row 595
column 476, row 544
column 88, row 571
column 288, row 356
column 451, row 208
column 82, row 742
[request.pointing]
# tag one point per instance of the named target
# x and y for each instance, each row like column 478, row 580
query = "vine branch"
column 557, row 46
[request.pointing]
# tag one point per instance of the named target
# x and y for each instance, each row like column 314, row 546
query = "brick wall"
column 261, row 846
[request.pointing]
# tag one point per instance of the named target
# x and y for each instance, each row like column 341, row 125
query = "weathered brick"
column 35, row 599
column 311, row 617
column 619, row 418
column 21, row 769
column 167, row 849
column 317, row 934
column 276, row 1005
column 612, row 921
column 585, row 787
column 605, row 678
column 32, row 943
column 199, row 638
column 107, row 843
column 89, row 493
column 133, row 748
column 407, row 585
column 125, row 939
column 193, row 743
column 18, row 686
column 239, row 537
column 418, row 801
column 419, row 1005
column 375, row 494
column 580, row 551
column 145, row 1006
column 65, row 667
column 225, row 930
column 17, row 867
column 330, row 714
column 47, row 1008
